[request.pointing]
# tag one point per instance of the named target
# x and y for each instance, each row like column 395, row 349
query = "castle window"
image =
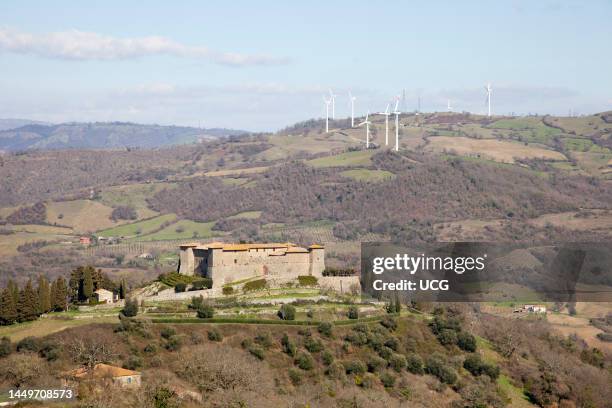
column 235, row 260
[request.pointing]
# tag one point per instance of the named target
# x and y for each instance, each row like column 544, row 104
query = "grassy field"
column 249, row 215
column 138, row 228
column 84, row 216
column 498, row 150
column 357, row 158
column 133, row 195
column 181, row 230
column 45, row 326
column 9, row 243
column 368, row 175
column 236, row 172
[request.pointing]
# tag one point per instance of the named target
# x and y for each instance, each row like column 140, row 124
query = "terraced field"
column 357, row 158
column 138, row 228
column 181, row 230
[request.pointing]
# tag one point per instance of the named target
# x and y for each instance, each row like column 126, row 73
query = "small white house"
column 104, row 296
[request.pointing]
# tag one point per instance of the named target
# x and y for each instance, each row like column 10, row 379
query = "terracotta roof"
column 102, row 290
column 245, row 247
column 102, row 370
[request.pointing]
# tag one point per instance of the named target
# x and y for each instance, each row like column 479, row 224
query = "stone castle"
column 225, row 263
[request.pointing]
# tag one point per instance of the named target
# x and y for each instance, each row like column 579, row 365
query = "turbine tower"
column 387, row 114
column 448, row 104
column 352, row 99
column 489, row 90
column 367, row 123
column 332, row 97
column 327, row 102
column 396, row 112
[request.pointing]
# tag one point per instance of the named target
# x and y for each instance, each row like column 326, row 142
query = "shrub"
column 133, row 363
column 313, row 345
column 397, row 362
column 205, row 311
column 131, row 308
column 365, row 381
column 327, row 357
column 376, row 363
column 387, row 379
column 264, row 340
column 466, row 341
column 354, row 366
column 326, row 329
column 336, row 370
column 29, row 344
column 308, row 280
column 414, row 364
column 476, row 366
column 353, row 312
column 6, row 347
column 258, row 284
column 204, row 283
column 358, row 339
column 228, row 290
column 287, row 312
column 447, row 337
column 150, row 348
column 435, row 366
column 180, row 287
column 257, row 351
column 389, row 322
column 167, row 332
column 385, row 352
column 295, row 376
column 50, row 350
column 215, row 335
column 304, row 361
column 174, row 343
column 288, row 346
column 196, row 302
column 393, row 343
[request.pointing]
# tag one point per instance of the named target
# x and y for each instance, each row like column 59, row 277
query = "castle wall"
column 187, row 261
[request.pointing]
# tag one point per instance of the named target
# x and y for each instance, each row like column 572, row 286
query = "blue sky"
column 264, row 65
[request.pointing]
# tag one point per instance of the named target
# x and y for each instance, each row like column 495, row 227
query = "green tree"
column 8, row 308
column 60, row 295
column 27, row 309
column 44, row 295
column 122, row 289
column 14, row 289
column 88, row 284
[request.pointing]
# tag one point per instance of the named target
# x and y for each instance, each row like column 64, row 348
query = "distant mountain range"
column 6, row 124
column 100, row 135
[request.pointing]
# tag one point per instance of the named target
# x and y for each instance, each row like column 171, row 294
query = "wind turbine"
column 332, row 97
column 352, row 99
column 367, row 123
column 448, row 104
column 387, row 114
column 489, row 90
column 396, row 112
column 327, row 102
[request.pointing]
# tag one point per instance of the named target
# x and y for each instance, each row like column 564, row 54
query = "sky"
column 264, row 65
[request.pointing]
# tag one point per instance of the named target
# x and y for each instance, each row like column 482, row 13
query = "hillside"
column 103, row 136
column 12, row 123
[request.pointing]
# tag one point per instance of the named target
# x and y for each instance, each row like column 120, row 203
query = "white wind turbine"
column 367, row 123
column 448, row 104
column 489, row 90
column 332, row 97
column 387, row 114
column 327, row 102
column 352, row 99
column 396, row 112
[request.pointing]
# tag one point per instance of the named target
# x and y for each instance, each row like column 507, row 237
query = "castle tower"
column 317, row 260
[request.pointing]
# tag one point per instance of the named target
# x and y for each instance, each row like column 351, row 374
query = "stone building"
column 103, row 295
column 225, row 263
column 103, row 373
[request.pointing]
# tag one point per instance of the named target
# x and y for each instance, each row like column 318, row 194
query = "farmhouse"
column 225, row 263
column 103, row 372
column 103, row 295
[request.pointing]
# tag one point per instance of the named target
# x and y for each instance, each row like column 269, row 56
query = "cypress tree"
column 44, row 295
column 14, row 289
column 88, row 284
column 8, row 308
column 60, row 295
column 122, row 289
column 27, row 308
column 76, row 284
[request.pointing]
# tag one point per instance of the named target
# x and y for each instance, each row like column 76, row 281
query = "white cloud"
column 81, row 45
